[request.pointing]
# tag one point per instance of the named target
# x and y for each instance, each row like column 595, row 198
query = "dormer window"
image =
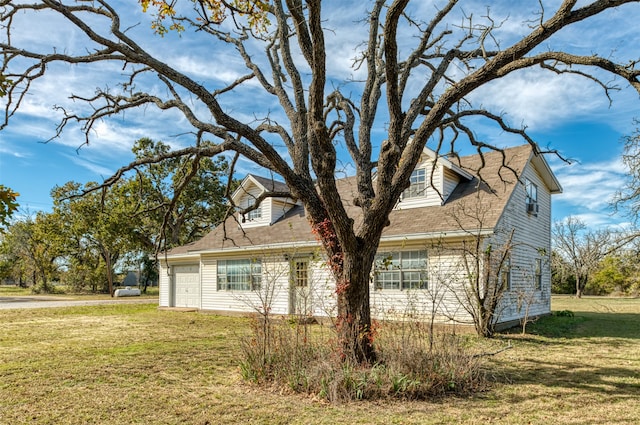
column 531, row 197
column 255, row 214
column 418, row 185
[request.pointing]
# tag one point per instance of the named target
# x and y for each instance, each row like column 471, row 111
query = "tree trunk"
column 109, row 267
column 354, row 313
column 578, row 287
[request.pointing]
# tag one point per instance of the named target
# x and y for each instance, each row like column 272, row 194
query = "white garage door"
column 187, row 286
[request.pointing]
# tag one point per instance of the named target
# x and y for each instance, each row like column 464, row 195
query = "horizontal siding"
column 274, row 292
column 449, row 183
column 163, row 285
column 279, row 207
column 432, row 197
column 445, row 276
column 248, row 199
column 208, row 279
column 532, row 240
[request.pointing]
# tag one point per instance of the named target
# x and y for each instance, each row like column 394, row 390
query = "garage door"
column 187, row 286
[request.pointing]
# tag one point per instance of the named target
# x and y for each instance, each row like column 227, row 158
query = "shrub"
column 413, row 363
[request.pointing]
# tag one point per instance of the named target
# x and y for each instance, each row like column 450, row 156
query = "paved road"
column 47, row 302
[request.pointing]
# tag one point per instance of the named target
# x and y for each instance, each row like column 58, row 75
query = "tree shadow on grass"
column 592, row 352
column 615, row 381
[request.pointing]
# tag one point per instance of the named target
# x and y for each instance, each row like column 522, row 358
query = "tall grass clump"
column 414, row 362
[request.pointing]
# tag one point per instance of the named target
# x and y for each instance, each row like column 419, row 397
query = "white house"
column 270, row 259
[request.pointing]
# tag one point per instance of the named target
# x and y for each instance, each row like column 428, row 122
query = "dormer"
column 432, row 181
column 270, row 209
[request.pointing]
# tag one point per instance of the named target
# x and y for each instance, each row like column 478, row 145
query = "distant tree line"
column 603, row 261
column 617, row 273
column 88, row 237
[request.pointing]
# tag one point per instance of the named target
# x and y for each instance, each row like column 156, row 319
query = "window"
column 538, row 276
column 255, row 214
column 531, row 197
column 401, row 270
column 301, row 274
column 239, row 275
column 418, row 185
column 506, row 274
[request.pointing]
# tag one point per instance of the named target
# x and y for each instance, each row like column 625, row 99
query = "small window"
column 531, row 197
column 505, row 274
column 538, row 276
column 301, row 274
column 401, row 270
column 254, row 214
column 239, row 275
column 418, row 184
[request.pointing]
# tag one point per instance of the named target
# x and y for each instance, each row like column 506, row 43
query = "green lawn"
column 133, row 364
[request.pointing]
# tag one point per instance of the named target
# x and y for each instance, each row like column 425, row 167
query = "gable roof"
column 263, row 183
column 447, row 164
column 495, row 176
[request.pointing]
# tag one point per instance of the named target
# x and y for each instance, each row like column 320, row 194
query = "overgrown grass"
column 413, row 362
column 133, row 364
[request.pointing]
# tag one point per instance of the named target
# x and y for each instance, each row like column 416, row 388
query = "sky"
column 566, row 113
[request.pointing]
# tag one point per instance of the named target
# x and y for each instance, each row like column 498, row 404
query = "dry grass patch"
column 133, row 364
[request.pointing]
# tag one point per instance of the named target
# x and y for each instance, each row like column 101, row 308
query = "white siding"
column 248, row 199
column 163, row 285
column 279, row 207
column 532, row 240
column 445, row 274
column 274, row 292
column 440, row 186
column 323, row 289
column 208, row 279
column 450, row 182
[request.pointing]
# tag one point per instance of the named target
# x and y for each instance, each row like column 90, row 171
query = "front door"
column 300, row 288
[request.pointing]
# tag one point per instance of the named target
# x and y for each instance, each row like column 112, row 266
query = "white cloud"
column 11, row 150
column 540, row 100
column 91, row 165
column 588, row 190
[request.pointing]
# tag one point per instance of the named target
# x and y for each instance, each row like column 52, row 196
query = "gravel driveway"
column 48, row 302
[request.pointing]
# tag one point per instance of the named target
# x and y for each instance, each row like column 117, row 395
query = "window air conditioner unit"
column 532, row 208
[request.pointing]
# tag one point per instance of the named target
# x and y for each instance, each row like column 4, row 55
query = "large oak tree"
column 414, row 73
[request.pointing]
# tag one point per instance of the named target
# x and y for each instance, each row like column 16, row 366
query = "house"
column 269, row 258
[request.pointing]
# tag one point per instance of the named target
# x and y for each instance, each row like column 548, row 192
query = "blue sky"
column 568, row 114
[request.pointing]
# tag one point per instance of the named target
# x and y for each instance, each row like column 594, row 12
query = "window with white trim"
column 255, row 214
column 531, row 197
column 418, row 185
column 401, row 270
column 538, row 275
column 505, row 274
column 239, row 275
column 301, row 273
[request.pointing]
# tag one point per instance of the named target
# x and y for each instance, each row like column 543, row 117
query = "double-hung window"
column 505, row 274
column 255, row 214
column 531, row 197
column 239, row 275
column 401, row 270
column 418, row 185
column 538, row 274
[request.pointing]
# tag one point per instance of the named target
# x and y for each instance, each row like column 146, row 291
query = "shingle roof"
column 271, row 184
column 493, row 184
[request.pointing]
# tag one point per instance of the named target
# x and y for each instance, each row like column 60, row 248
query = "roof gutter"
column 456, row 234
